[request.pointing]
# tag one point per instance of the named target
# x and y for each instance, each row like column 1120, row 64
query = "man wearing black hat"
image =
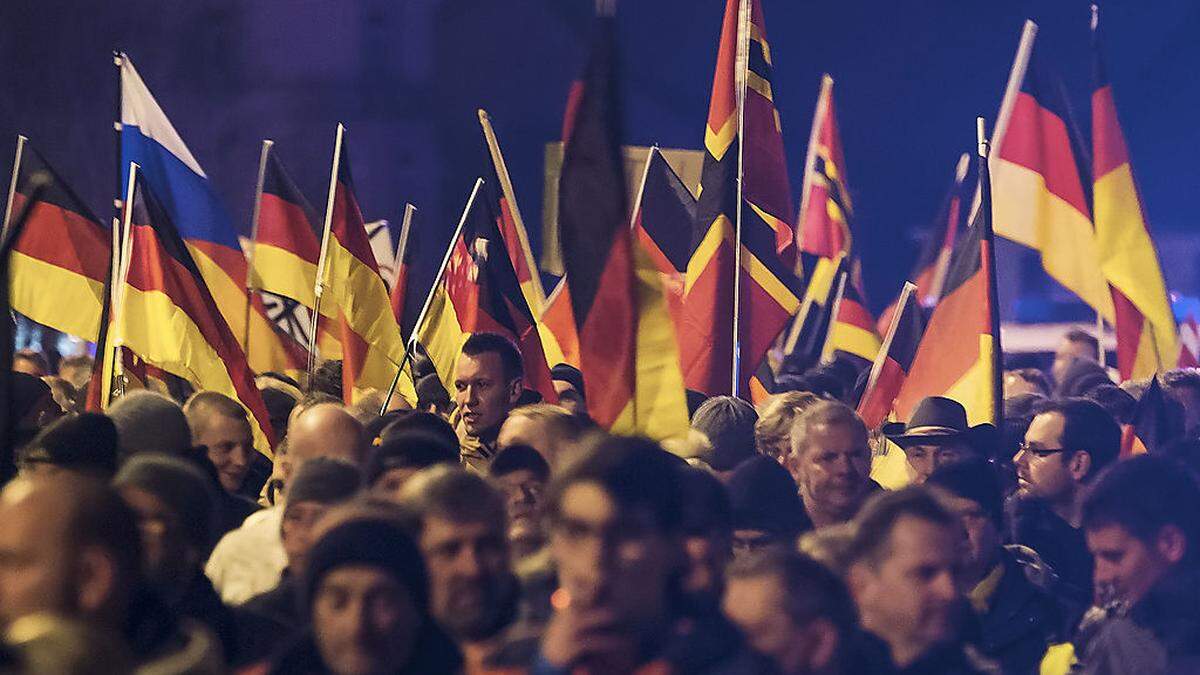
column 85, row 443
column 568, row 384
column 937, row 434
column 1009, row 587
column 766, row 506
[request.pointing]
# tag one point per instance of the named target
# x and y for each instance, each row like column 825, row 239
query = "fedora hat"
column 937, row 421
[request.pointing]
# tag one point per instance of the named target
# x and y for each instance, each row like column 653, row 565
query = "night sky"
column 407, row 76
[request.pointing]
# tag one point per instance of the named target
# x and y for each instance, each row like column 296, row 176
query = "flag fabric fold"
column 895, row 359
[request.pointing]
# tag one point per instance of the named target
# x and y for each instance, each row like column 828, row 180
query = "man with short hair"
column 616, row 535
column 545, row 427
column 831, row 462
column 85, row 443
column 776, row 416
column 793, row 610
column 1076, row 344
column 401, row 455
column 728, row 423
column 458, row 521
column 220, row 429
column 937, row 434
column 1066, row 445
column 766, row 506
column 77, row 370
column 1142, row 520
column 1009, row 587
column 1183, row 385
column 488, row 381
column 521, row 473
column 148, row 421
column 904, row 577
column 1020, row 381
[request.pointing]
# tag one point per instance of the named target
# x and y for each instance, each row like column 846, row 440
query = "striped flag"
column 1145, row 325
column 744, row 181
column 1037, row 179
column 1150, row 427
column 895, row 359
column 663, row 223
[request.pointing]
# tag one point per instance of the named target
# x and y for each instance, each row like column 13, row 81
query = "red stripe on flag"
column 606, row 355
column 1038, row 140
column 65, row 239
column 1107, row 140
column 285, row 225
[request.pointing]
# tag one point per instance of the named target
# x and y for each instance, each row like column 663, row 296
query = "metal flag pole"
column 319, row 287
column 437, row 280
column 252, row 246
column 118, row 364
column 741, row 75
column 402, row 246
column 881, row 358
column 12, row 184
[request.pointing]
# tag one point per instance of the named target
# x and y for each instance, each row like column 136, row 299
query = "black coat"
column 1023, row 616
column 1061, row 546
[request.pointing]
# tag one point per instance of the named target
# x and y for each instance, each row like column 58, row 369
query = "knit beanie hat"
column 565, row 372
column 372, row 542
column 324, row 480
column 180, row 485
column 85, row 442
column 150, row 422
column 973, row 479
column 409, row 449
column 728, row 423
column 764, row 497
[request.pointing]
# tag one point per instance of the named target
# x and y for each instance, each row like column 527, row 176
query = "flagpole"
column 437, row 280
column 882, row 356
column 944, row 254
column 402, row 245
column 810, row 164
column 506, row 188
column 12, row 184
column 989, row 259
column 319, row 287
column 843, row 276
column 741, row 75
column 118, row 364
column 252, row 245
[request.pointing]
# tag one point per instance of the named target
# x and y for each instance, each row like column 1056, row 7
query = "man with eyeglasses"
column 1068, row 442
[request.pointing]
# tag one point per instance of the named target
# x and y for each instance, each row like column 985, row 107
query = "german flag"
column 597, row 242
column 852, row 335
column 1189, row 343
column 959, row 354
column 1040, row 197
column 1150, row 428
column 512, row 226
column 372, row 348
column 663, row 220
column 59, row 265
column 558, row 320
column 406, row 250
column 929, row 274
column 149, row 139
column 751, row 157
column 895, row 359
column 167, row 317
column 287, row 244
column 1145, row 325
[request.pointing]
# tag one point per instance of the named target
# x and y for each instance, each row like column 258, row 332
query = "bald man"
column 250, row 560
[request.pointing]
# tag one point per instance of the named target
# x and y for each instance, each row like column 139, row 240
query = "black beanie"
column 324, row 480
column 372, row 542
column 180, row 485
column 764, row 497
column 565, row 372
column 973, row 479
column 409, row 449
column 84, row 442
column 728, row 423
column 26, row 390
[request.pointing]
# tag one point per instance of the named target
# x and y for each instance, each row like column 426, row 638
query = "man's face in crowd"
column 229, row 444
column 758, row 605
column 296, row 531
column 166, row 554
column 1015, row 385
column 570, row 398
column 523, row 497
column 612, row 558
column 832, row 466
column 1127, row 567
column 28, row 366
column 707, row 555
column 983, row 537
column 36, row 569
column 909, row 596
column 364, row 621
column 1068, row 351
column 389, row 485
column 1044, row 469
column 483, row 393
column 470, row 582
column 925, row 459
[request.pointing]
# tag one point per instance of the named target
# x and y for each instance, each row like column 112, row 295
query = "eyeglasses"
column 1039, row 452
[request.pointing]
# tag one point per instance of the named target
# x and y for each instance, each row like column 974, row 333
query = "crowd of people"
column 485, row 531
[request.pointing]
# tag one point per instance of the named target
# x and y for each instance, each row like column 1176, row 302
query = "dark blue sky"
column 407, row 76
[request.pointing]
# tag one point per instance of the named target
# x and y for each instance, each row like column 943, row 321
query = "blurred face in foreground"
column 758, row 605
column 832, row 466
column 523, row 498
column 1127, row 567
column 483, row 392
column 1067, row 351
column 908, row 596
column 983, row 537
column 470, row 581
column 364, row 621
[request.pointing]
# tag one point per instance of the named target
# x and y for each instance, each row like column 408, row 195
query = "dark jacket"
column 232, row 510
column 869, row 655
column 280, row 604
column 433, row 654
column 1160, row 634
column 1061, row 546
column 1023, row 616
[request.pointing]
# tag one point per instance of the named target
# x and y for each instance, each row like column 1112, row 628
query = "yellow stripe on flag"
column 41, row 291
column 720, row 229
column 974, row 389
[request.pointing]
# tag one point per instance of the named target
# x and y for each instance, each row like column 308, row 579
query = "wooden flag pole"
column 437, row 280
column 319, row 287
column 12, row 184
column 118, row 364
column 741, row 77
column 988, row 259
column 252, row 246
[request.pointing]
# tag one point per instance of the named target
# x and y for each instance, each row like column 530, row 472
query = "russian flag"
column 169, row 168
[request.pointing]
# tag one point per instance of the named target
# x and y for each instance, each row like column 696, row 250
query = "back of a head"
column 973, row 479
column 636, row 473
column 1143, row 495
column 728, row 422
column 812, row 590
column 1081, row 337
column 327, row 379
column 519, row 458
column 1087, row 427
column 874, row 523
column 182, row 487
column 1080, row 377
column 204, row 406
column 764, row 497
column 379, row 543
column 412, row 448
column 419, row 420
column 493, row 343
column 1118, row 402
column 147, row 421
column 451, row 493
column 86, row 442
column 1034, row 377
column 825, row 414
column 324, row 480
column 326, row 430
